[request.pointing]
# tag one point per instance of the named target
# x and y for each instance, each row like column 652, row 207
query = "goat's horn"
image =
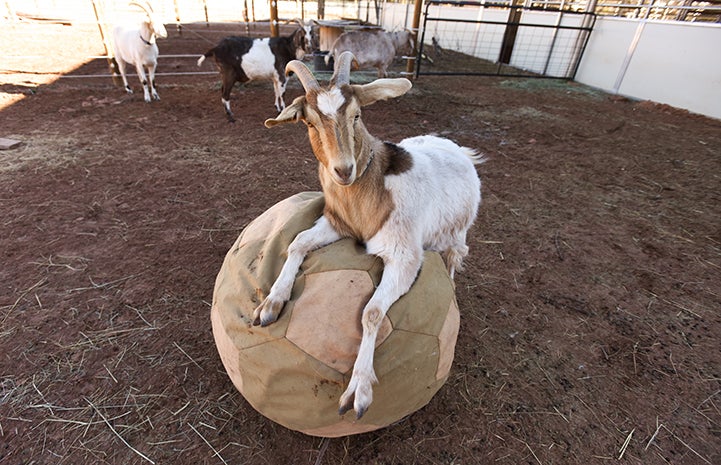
column 341, row 76
column 304, row 75
column 145, row 6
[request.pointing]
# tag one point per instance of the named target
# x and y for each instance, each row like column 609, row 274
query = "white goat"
column 400, row 199
column 135, row 44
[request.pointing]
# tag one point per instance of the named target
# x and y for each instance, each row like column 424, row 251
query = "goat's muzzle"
column 344, row 175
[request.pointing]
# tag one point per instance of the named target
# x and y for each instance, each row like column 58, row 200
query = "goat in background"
column 243, row 59
column 372, row 48
column 399, row 199
column 135, row 44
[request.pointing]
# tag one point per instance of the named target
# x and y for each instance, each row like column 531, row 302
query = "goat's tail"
column 207, row 54
column 476, row 158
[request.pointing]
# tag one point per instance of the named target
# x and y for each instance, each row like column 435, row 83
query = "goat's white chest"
column 259, row 62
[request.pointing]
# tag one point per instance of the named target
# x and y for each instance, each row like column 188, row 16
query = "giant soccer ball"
column 295, row 370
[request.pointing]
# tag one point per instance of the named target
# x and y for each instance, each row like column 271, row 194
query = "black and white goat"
column 421, row 194
column 242, row 59
column 135, row 44
column 372, row 48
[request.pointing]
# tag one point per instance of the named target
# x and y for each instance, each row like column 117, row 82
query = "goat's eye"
column 356, row 118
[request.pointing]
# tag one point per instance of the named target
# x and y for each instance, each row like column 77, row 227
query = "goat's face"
column 301, row 42
column 336, row 131
column 156, row 24
column 307, row 27
column 153, row 21
column 333, row 116
column 403, row 41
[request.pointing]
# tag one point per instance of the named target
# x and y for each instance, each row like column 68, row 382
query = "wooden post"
column 111, row 60
column 245, row 17
column 411, row 65
column 177, row 18
column 274, row 18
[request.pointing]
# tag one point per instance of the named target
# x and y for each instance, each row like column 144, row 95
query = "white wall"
column 675, row 63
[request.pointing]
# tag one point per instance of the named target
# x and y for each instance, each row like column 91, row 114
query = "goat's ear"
column 381, row 89
column 291, row 114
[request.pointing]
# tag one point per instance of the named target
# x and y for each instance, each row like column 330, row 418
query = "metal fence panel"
column 473, row 38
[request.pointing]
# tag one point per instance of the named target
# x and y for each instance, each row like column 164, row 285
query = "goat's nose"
column 344, row 172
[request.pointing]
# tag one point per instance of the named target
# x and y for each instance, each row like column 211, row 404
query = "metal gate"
column 478, row 38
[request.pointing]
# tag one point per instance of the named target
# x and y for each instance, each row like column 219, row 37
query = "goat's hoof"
column 358, row 396
column 129, row 90
column 267, row 312
column 359, row 411
column 345, row 406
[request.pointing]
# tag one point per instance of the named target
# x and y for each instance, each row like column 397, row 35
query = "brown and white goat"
column 422, row 193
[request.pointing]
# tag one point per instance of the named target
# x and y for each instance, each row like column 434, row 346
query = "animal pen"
column 589, row 304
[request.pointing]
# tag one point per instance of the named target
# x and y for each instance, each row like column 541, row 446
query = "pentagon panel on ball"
column 295, row 370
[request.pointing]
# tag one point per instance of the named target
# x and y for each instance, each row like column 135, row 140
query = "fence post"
column 273, row 18
column 111, row 60
column 509, row 36
column 177, row 18
column 411, row 65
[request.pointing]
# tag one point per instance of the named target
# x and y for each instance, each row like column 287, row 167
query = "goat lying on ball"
column 135, row 44
column 422, row 193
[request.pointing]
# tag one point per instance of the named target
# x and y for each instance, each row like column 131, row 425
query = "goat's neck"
column 359, row 210
column 147, row 34
column 371, row 146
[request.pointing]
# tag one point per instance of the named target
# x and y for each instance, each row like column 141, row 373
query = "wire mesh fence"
column 475, row 38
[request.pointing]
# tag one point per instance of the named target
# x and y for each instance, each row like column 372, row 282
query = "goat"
column 135, row 44
column 244, row 59
column 421, row 194
column 373, row 48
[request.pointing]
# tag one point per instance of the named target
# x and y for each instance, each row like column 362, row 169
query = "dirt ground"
column 590, row 300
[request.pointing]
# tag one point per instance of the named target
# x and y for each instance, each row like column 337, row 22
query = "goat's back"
column 441, row 193
column 371, row 48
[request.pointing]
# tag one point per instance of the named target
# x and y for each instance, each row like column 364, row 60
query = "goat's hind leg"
column 455, row 252
column 322, row 233
column 121, row 68
column 151, row 77
column 399, row 273
column 228, row 78
column 279, row 88
column 453, row 258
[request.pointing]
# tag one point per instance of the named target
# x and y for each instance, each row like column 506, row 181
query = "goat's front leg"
column 322, row 233
column 143, row 80
column 399, row 273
